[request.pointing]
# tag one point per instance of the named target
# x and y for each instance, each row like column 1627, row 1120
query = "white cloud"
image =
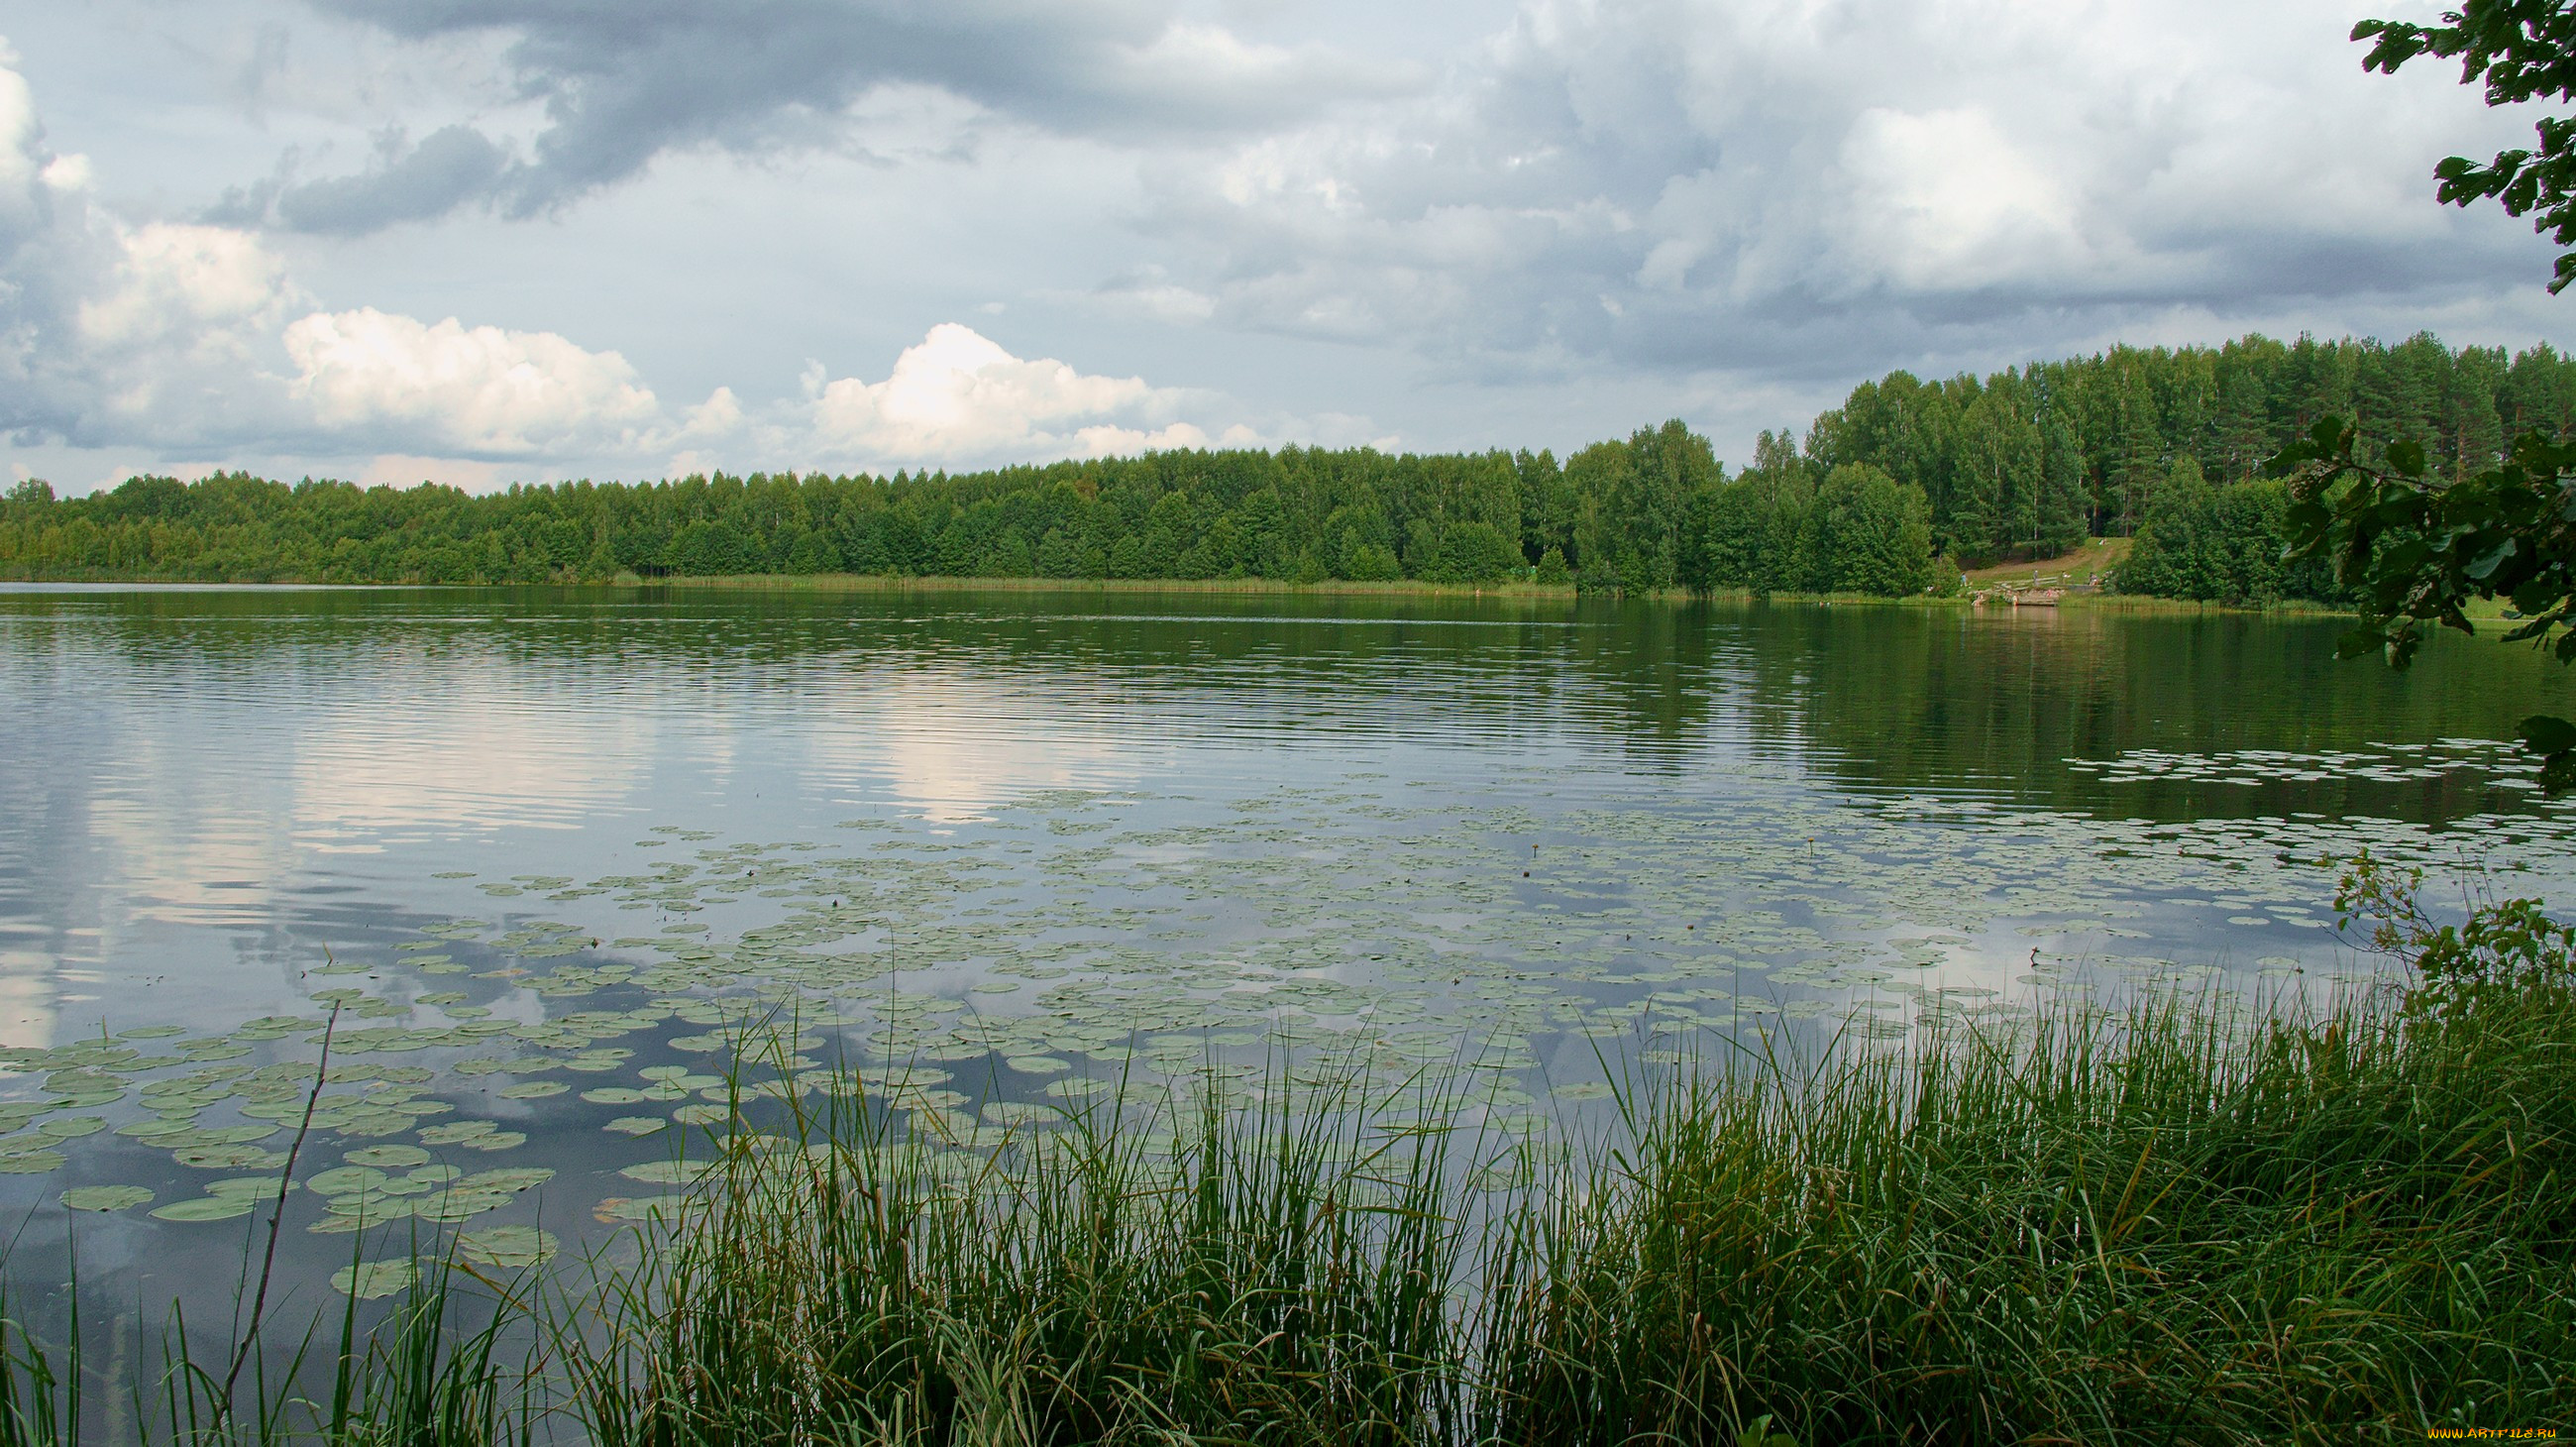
column 480, row 390
column 194, row 338
column 1559, row 219
column 207, row 290
column 395, row 469
column 1667, row 187
column 1945, row 201
column 957, row 396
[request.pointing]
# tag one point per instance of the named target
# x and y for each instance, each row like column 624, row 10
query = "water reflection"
column 518, row 834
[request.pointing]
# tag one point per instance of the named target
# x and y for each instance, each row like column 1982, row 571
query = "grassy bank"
column 1244, row 587
column 2169, row 1226
column 1532, row 595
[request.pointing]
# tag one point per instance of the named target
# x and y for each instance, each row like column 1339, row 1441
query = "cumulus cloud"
column 957, row 397
column 183, row 336
column 194, row 337
column 111, row 332
column 1816, row 184
column 622, row 84
column 481, row 391
column 1594, row 204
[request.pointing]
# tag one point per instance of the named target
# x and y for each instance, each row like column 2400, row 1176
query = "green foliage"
column 2179, row 1224
column 2506, row 955
column 1299, row 515
column 2027, row 461
column 2523, row 50
column 1778, row 527
column 2170, row 1227
column 2221, row 544
column 2419, row 523
column 1868, row 533
column 2413, row 549
column 2023, row 462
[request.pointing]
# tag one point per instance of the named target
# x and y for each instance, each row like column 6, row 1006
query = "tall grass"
column 2155, row 1229
column 429, row 1375
column 1269, row 1274
column 2178, row 1225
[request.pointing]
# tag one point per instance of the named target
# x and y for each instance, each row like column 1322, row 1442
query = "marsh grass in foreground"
column 2173, row 1226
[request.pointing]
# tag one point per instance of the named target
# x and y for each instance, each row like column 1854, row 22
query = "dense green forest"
column 1884, row 494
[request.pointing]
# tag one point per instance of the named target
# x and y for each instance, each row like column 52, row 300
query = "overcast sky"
column 486, row 241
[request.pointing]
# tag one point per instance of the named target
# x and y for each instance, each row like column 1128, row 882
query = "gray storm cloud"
column 1639, row 205
column 621, row 84
column 1647, row 184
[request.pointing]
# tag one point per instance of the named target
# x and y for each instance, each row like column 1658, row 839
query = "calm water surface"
column 550, row 851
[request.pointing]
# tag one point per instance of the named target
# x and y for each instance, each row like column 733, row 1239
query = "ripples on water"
column 1029, row 841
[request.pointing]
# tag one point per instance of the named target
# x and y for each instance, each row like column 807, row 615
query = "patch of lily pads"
column 982, row 987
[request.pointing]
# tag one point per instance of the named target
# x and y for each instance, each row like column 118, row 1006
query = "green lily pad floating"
column 72, row 1127
column 669, row 1173
column 205, row 1208
column 514, row 1178
column 343, row 1180
column 642, row 1208
column 105, row 1198
column 30, row 1163
column 373, row 1280
column 229, row 1158
column 152, row 1032
column 613, row 1095
column 388, row 1157
column 701, row 1114
column 510, row 1248
column 1038, row 1064
column 458, row 1205
column 636, row 1124
column 497, row 1140
column 534, row 1089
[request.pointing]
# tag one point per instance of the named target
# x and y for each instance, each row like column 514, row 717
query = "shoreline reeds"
column 2181, row 1224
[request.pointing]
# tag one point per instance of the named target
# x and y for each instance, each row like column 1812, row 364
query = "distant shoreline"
column 1521, row 592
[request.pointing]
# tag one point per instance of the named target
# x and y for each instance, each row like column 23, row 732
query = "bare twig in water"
column 285, row 1184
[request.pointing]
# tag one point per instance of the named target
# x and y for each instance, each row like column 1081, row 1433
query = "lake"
column 551, row 853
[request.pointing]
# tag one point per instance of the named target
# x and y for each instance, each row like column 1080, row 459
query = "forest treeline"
column 1887, row 494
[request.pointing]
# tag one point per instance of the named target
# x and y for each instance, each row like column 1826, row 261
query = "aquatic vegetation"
column 2178, row 1222
column 973, row 975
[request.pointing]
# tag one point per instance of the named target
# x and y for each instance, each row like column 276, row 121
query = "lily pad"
column 513, row 1248
column 373, row 1280
column 105, row 1198
column 669, row 1173
column 205, row 1208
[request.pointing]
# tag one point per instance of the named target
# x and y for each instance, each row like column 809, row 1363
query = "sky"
column 494, row 241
